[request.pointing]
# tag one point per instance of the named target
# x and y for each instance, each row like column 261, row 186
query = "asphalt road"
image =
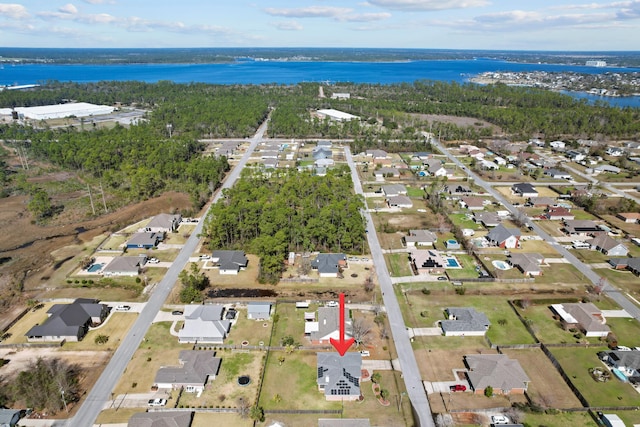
column 410, row 371
column 609, row 290
column 101, row 391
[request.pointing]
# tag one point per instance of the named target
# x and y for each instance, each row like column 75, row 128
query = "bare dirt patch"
column 458, row 121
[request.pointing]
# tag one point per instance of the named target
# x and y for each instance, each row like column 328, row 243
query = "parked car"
column 157, row 402
column 499, row 419
column 332, row 304
column 205, row 256
column 442, row 278
column 458, row 387
column 123, row 307
column 365, row 353
column 153, row 260
column 177, row 313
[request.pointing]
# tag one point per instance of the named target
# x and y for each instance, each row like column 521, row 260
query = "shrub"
column 488, row 391
column 426, row 291
column 460, row 290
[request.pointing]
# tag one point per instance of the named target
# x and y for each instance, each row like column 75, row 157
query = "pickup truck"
column 157, row 402
column 458, row 387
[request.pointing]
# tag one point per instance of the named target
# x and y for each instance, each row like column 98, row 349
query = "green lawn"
column 468, row 270
column 462, row 221
column 625, row 280
column 565, row 275
column 589, row 257
column 290, row 322
column 253, row 331
column 398, row 264
column 576, row 362
column 626, row 329
column 415, row 192
column 561, row 419
column 545, row 327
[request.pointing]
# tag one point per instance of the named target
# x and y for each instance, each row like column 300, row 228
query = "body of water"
column 291, row 72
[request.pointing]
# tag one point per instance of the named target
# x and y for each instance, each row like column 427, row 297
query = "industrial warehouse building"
column 44, row 112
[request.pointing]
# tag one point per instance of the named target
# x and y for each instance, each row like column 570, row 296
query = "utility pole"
column 93, row 208
column 104, row 203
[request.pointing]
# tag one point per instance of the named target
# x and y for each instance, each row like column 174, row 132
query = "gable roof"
column 165, row 220
column 465, row 319
column 580, row 225
column 328, row 263
column 586, row 314
column 527, row 262
column 524, row 188
column 196, row 367
column 421, row 236
column 161, row 419
column 628, row 359
column 399, row 201
column 124, row 264
column 328, row 324
column 68, row 319
column 394, row 189
column 144, row 239
column 488, row 219
column 473, row 202
column 495, row 370
column 604, row 242
column 262, row 309
column 229, row 260
column 339, row 375
column 542, row 201
column 204, row 321
column 501, row 233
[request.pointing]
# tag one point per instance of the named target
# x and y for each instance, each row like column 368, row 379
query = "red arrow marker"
column 342, row 345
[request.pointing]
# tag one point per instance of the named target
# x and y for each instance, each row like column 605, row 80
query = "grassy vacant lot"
column 115, row 328
column 290, row 322
column 115, row 242
column 426, row 310
column 462, row 221
column 563, row 275
column 589, row 257
column 227, row 420
column 438, row 365
column 625, row 280
column 577, row 361
column 536, row 246
column 253, row 331
column 224, row 391
column 119, row 416
column 626, row 329
column 561, row 419
column 398, row 264
column 158, row 349
column 547, row 388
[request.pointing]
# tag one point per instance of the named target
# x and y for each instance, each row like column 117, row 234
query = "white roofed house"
column 203, row 323
column 164, row 223
column 336, row 115
column 583, row 316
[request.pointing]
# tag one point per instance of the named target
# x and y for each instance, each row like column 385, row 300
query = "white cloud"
column 68, row 8
column 13, row 11
column 428, row 5
column 99, row 1
column 367, row 17
column 310, row 12
column 288, row 26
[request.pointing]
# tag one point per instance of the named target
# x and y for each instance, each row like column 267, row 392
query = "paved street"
column 409, row 367
column 101, row 392
column 594, row 278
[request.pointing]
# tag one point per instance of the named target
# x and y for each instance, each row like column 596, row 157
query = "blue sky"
column 430, row 24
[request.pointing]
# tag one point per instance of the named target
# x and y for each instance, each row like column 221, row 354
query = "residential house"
column 394, row 190
column 558, row 213
column 575, row 155
column 626, row 361
column 427, row 261
column 69, row 322
column 164, row 223
column 9, row 417
column 503, row 237
column 229, row 262
column 527, row 263
column 608, row 246
column 323, row 163
column 161, row 419
column 487, row 219
column 614, row 151
column 327, row 326
column 629, row 217
column 339, row 376
column 336, row 115
column 386, row 172
column 420, row 238
column 581, row 227
column 125, row 266
column 203, row 323
column 498, row 371
column 612, row 420
column 488, row 165
column 343, row 95
column 322, row 152
column 270, row 163
column 144, row 240
column 377, row 154
column 500, row 161
column 197, row 368
column 557, row 145
column 422, row 156
column 324, row 143
column 269, row 154
column 259, row 310
column 541, row 202
column 629, row 264
column 435, row 167
column 457, row 189
column 558, row 174
column 464, row 321
column 399, row 202
column 329, row 265
column 524, row 189
column 607, row 169
column 583, row 316
column 472, row 203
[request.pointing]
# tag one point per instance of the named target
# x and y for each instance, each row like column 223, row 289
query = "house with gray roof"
column 527, row 263
column 472, row 203
column 329, row 265
column 503, row 237
column 626, row 361
column 435, row 167
column 524, row 189
column 125, row 266
column 69, row 322
column 558, row 174
column 323, row 163
column 394, row 190
column 630, row 264
column 270, row 163
column 585, row 317
column 339, row 376
column 197, row 368
column 608, row 246
column 541, row 202
column 580, row 227
column 376, row 154
column 164, row 223
column 9, row 417
column 203, row 323
column 420, row 238
column 259, row 310
column 161, row 419
column 464, row 321
column 399, row 202
column 487, row 219
column 327, row 326
column 384, row 172
column 321, row 153
column 503, row 374
column 144, row 240
column 229, row 262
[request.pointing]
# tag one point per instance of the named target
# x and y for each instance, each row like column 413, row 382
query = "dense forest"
column 270, row 215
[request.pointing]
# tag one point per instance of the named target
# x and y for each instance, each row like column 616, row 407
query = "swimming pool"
column 452, row 263
column 622, row 377
column 95, row 267
column 501, row 265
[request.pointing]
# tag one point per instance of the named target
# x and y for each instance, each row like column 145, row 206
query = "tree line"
column 270, row 215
